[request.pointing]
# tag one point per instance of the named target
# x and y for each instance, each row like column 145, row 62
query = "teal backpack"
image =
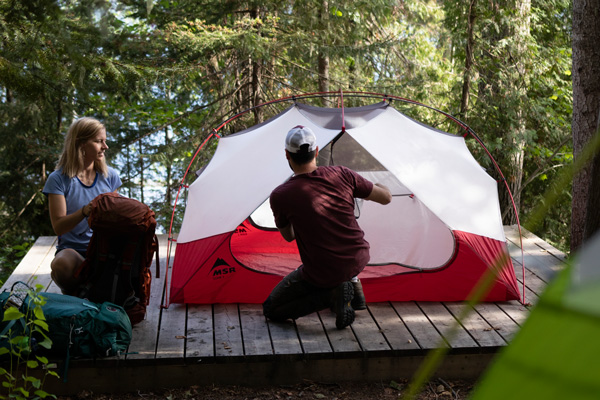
column 77, row 327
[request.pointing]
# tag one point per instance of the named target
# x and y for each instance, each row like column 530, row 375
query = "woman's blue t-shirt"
column 78, row 195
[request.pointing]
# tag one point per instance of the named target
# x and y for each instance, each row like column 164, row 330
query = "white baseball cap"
column 299, row 136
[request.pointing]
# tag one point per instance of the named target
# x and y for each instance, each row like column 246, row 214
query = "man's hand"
column 380, row 194
column 288, row 233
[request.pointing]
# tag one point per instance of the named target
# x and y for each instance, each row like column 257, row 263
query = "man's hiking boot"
column 358, row 302
column 342, row 299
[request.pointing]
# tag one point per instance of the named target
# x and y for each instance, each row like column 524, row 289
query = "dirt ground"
column 436, row 389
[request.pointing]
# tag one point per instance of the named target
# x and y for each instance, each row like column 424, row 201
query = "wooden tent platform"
column 234, row 344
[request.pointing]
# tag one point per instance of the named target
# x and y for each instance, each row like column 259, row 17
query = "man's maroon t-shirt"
column 320, row 207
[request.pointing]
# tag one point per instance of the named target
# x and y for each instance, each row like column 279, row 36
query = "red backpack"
column 119, row 255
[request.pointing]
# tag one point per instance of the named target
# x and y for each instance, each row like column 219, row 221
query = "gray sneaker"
column 342, row 299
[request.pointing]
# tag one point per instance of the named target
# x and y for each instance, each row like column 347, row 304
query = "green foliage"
column 162, row 75
column 12, row 250
column 53, row 58
column 520, row 97
column 20, row 380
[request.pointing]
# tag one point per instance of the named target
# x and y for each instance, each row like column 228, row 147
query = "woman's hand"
column 61, row 222
column 86, row 210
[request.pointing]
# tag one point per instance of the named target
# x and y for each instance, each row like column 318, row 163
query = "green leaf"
column 11, row 314
column 43, row 394
column 41, row 324
column 46, row 343
column 35, row 382
column 336, row 12
column 32, row 364
column 39, row 313
column 42, row 359
column 3, row 350
column 52, row 373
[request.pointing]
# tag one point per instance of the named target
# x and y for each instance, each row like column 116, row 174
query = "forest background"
column 163, row 74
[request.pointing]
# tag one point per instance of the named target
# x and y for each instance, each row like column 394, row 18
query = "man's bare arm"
column 380, row 194
column 288, row 233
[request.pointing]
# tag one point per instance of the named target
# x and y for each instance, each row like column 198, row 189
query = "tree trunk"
column 256, row 91
column 323, row 59
column 592, row 216
column 586, row 106
column 256, row 79
column 128, row 171
column 515, row 140
column 169, row 165
column 464, row 102
column 141, row 171
column 323, row 73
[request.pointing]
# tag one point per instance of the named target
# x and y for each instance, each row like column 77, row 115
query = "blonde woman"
column 81, row 174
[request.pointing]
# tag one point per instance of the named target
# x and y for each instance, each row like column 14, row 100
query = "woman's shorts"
column 81, row 253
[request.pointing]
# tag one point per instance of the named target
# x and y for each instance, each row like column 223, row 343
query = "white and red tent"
column 433, row 242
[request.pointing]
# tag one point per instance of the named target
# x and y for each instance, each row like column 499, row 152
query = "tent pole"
column 343, row 118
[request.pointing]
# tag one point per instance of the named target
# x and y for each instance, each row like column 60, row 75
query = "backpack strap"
column 10, row 325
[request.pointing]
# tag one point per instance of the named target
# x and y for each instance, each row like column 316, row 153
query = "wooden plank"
column 141, row 379
column 43, row 275
column 392, row 327
column 171, row 329
column 200, row 341
column 341, row 340
column 419, row 325
column 43, row 247
column 532, row 281
column 447, row 325
column 312, row 335
column 255, row 331
column 171, row 336
column 515, row 310
column 171, row 326
column 530, row 296
column 498, row 320
column 284, row 337
column 228, row 332
column 478, row 328
column 535, row 258
column 513, row 232
column 531, row 262
column 145, row 333
column 53, row 288
column 368, row 334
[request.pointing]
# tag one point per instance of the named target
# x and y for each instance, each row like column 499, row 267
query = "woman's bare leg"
column 63, row 266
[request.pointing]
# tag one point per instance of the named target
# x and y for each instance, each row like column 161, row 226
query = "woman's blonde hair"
column 71, row 159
